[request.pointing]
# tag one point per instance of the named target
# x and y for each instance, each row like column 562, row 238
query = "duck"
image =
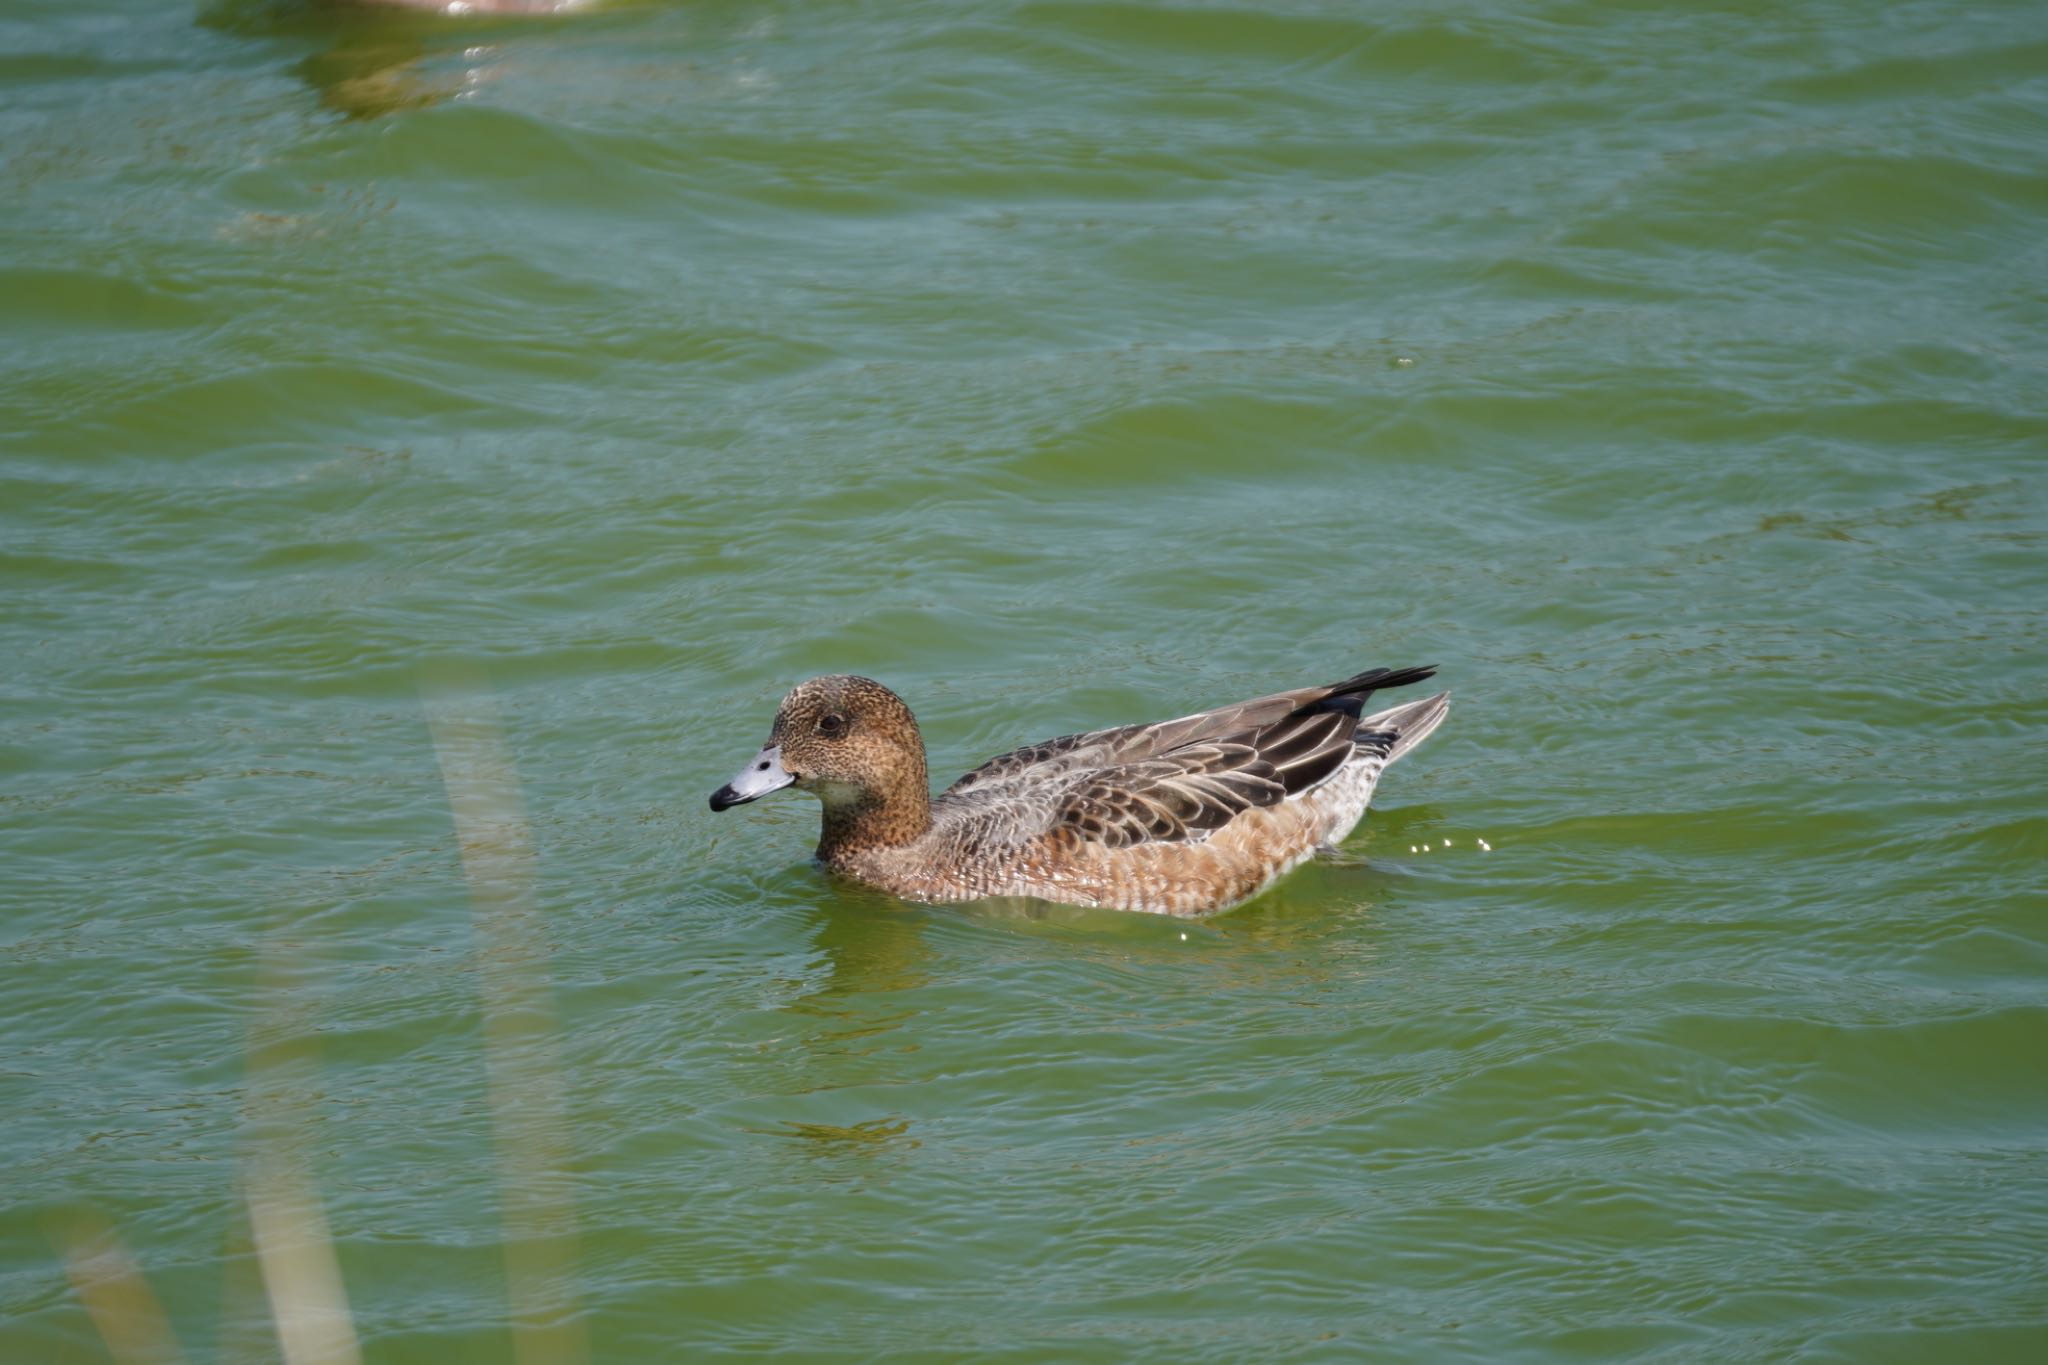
column 1179, row 817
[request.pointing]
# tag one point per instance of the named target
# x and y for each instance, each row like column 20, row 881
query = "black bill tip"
column 725, row 798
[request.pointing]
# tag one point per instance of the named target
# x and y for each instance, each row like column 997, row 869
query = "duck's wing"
column 1037, row 768
column 1191, row 791
column 1115, row 789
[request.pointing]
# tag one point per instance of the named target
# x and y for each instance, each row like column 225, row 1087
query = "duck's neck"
column 859, row 820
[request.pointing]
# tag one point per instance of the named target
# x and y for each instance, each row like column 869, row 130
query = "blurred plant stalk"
column 124, row 1311
column 527, row 1104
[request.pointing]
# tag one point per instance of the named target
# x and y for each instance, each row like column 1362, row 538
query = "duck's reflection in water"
column 874, row 945
column 461, row 7
column 386, row 56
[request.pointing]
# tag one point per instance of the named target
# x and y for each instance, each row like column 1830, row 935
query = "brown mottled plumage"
column 1180, row 817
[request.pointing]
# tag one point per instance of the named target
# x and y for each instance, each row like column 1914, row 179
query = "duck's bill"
column 755, row 781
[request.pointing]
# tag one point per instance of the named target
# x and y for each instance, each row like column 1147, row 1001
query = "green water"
column 408, row 419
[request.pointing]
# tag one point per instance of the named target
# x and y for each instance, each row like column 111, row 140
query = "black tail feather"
column 1349, row 696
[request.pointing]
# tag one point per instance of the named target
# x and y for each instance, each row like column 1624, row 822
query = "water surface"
column 432, row 447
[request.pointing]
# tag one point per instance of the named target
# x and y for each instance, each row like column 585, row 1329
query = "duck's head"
column 850, row 741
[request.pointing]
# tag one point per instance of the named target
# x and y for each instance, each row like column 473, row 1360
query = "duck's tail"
column 1362, row 685
column 1403, row 727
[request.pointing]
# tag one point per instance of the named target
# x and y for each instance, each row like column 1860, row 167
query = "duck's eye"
column 831, row 725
